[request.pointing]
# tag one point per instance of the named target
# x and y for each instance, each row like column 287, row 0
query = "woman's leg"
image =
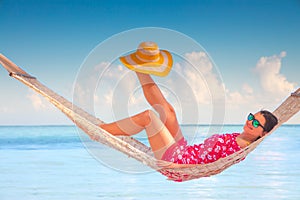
column 156, row 99
column 158, row 135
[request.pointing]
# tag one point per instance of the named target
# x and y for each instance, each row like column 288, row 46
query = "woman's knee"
column 168, row 111
column 151, row 114
column 148, row 116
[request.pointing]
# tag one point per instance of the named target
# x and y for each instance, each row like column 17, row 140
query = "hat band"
column 147, row 56
column 163, row 62
column 148, row 51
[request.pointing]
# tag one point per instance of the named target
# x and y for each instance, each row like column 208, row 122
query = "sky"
column 248, row 51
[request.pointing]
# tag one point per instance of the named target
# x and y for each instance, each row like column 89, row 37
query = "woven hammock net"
column 132, row 147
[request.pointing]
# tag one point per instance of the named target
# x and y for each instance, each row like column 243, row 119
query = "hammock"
column 132, row 147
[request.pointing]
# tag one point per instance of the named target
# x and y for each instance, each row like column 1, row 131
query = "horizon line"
column 229, row 124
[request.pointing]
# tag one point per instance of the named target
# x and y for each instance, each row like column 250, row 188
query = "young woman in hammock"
column 165, row 137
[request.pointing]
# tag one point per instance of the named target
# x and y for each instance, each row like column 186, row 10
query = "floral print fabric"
column 213, row 148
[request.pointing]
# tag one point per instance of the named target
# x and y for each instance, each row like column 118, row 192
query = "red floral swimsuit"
column 215, row 147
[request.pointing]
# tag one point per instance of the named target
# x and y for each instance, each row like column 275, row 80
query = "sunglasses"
column 255, row 122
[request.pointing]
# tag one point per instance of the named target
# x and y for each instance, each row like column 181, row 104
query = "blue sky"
column 51, row 39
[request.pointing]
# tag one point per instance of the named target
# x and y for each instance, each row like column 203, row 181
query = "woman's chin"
column 246, row 128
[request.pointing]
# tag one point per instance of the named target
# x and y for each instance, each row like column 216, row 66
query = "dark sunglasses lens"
column 250, row 117
column 255, row 123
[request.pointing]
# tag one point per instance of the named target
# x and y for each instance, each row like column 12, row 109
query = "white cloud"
column 197, row 89
column 247, row 89
column 238, row 98
column 273, row 87
column 107, row 70
column 200, row 74
column 201, row 61
column 108, row 97
column 4, row 110
column 36, row 99
column 272, row 81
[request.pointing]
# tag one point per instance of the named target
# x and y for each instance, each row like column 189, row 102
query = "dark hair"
column 271, row 120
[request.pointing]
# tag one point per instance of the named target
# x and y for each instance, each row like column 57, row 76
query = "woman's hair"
column 271, row 120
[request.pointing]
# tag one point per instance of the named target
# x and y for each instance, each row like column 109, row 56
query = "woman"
column 164, row 134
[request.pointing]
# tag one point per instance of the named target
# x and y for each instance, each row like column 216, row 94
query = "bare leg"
column 156, row 99
column 158, row 135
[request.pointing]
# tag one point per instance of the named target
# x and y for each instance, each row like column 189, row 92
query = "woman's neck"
column 244, row 140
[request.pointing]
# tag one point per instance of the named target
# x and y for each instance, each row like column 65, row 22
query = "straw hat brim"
column 161, row 67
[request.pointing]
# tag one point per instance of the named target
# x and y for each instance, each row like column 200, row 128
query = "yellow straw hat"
column 149, row 59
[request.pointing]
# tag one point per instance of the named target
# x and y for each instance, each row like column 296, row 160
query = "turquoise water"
column 51, row 162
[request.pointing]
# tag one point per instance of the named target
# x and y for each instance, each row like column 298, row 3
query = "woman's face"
column 255, row 131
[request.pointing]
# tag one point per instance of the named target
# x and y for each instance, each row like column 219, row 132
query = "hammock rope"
column 132, row 147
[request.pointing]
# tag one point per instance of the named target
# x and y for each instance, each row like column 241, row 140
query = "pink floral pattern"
column 213, row 148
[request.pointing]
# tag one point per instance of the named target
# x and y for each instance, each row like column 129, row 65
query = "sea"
column 60, row 163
